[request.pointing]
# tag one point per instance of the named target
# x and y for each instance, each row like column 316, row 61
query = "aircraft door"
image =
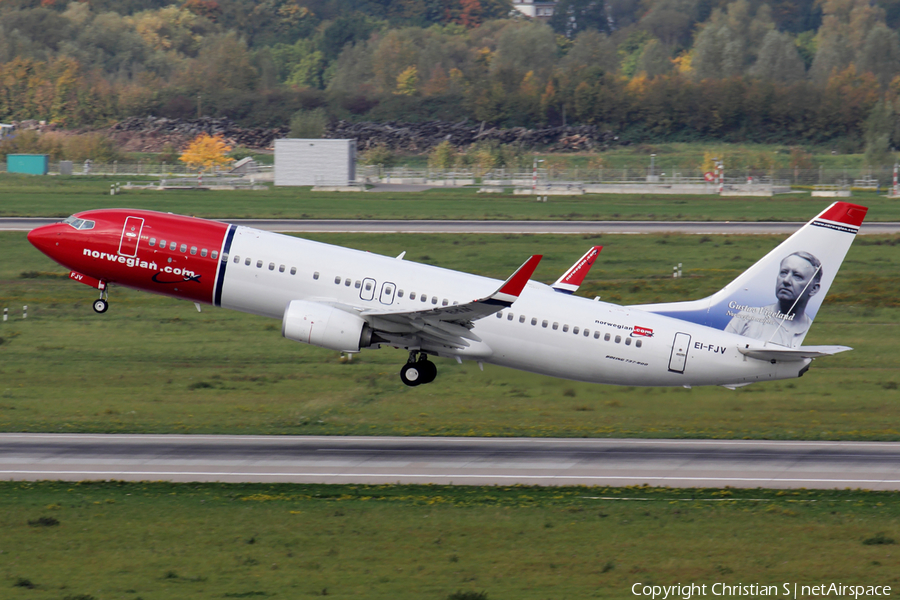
column 387, row 292
column 678, row 358
column 131, row 235
column 367, row 291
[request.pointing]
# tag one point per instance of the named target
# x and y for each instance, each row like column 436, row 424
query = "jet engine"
column 325, row 326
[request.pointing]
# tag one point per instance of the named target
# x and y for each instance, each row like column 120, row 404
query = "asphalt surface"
column 460, row 461
column 534, row 227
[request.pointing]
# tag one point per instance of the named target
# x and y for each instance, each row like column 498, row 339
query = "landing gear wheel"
column 427, row 369
column 100, row 305
column 411, row 374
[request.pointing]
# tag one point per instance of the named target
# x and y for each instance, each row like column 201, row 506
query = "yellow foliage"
column 682, row 63
column 205, row 152
column 638, row 85
column 407, row 81
column 709, row 161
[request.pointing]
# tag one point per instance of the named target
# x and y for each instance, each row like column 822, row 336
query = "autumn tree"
column 206, row 152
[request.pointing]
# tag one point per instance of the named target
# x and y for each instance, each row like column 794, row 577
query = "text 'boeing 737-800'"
column 347, row 300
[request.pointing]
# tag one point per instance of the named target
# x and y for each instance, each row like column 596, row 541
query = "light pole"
column 534, row 176
column 652, row 177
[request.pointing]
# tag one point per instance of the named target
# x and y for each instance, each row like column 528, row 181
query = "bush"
column 468, row 595
column 379, row 155
column 309, row 124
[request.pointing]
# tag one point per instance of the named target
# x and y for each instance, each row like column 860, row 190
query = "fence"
column 141, row 168
column 859, row 178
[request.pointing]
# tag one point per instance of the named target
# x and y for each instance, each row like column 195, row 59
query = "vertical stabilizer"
column 776, row 300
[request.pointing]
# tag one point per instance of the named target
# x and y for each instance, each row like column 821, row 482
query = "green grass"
column 153, row 364
column 22, row 195
column 158, row 540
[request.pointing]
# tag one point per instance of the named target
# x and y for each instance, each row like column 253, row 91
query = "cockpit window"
column 79, row 224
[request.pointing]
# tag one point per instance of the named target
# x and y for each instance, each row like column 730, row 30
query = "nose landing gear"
column 102, row 304
column 418, row 370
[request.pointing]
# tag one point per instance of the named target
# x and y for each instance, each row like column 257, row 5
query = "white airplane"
column 347, row 300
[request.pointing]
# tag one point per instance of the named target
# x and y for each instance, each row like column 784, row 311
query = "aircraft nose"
column 44, row 238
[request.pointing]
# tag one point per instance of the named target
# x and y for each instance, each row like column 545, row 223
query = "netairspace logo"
column 790, row 590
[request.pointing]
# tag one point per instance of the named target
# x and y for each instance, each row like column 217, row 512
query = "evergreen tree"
column 778, row 60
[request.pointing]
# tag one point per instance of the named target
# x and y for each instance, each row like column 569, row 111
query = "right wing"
column 571, row 279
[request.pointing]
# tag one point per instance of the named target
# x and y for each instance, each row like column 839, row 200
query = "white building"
column 315, row 162
column 536, row 9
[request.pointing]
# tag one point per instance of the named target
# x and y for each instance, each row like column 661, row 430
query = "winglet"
column 512, row 287
column 572, row 279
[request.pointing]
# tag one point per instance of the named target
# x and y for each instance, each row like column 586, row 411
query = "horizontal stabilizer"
column 789, row 354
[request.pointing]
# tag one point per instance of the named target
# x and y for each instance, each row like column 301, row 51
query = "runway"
column 507, row 227
column 458, row 461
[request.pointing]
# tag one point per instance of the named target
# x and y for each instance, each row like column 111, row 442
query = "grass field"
column 153, row 364
column 161, row 541
column 22, row 195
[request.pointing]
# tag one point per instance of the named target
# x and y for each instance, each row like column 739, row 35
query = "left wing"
column 447, row 326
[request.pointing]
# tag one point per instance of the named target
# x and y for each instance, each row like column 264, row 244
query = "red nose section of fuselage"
column 156, row 252
column 47, row 239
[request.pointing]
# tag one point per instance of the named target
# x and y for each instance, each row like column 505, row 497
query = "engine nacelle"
column 325, row 326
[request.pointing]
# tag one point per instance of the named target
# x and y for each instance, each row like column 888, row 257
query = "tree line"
column 811, row 71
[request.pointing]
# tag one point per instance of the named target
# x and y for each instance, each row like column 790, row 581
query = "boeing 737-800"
column 347, row 300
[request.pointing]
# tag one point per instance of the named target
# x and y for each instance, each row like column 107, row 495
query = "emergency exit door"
column 678, row 358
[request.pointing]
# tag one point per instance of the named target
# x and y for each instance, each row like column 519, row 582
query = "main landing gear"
column 102, row 304
column 418, row 370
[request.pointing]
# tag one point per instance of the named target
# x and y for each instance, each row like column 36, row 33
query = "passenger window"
column 347, row 282
column 204, row 252
column 533, row 321
column 337, row 280
column 618, row 339
column 368, row 285
column 172, row 245
column 596, row 335
column 152, row 242
column 247, row 261
column 444, row 302
column 294, row 272
column 628, row 341
column 399, row 292
column 237, row 259
column 281, row 268
column 315, row 275
column 499, row 315
column 434, row 299
column 259, row 264
column 555, row 326
column 544, row 324
column 271, row 266
column 162, row 244
column 575, row 331
column 521, row 318
column 358, row 285
column 509, row 317
column 193, row 250
column 412, row 295
column 565, row 328
column 637, row 344
column 183, row 248
column 423, row 298
column 215, row 255
column 586, row 333
column 606, row 338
